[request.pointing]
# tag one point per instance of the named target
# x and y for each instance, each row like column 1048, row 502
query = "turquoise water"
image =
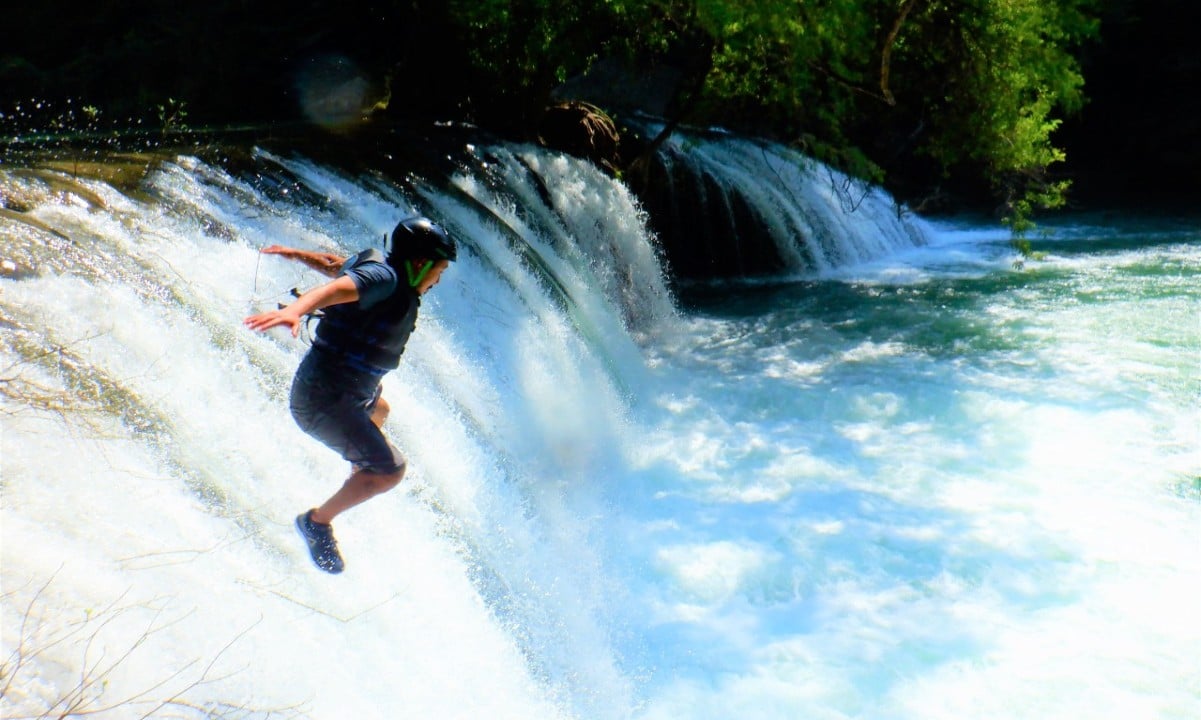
column 935, row 486
column 930, row 484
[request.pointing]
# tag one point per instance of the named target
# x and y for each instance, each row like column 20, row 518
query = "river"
column 936, row 482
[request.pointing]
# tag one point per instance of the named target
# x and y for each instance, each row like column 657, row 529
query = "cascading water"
column 506, row 416
column 914, row 482
column 732, row 205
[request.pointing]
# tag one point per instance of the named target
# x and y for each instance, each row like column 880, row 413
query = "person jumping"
column 369, row 309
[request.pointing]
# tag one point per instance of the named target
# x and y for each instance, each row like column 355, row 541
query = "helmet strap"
column 416, row 276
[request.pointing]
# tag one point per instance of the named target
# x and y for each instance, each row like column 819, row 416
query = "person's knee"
column 391, row 480
column 381, row 482
column 387, row 473
column 398, row 474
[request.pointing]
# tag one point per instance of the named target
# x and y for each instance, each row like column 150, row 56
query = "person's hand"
column 264, row 321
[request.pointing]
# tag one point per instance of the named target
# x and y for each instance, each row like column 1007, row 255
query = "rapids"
column 916, row 482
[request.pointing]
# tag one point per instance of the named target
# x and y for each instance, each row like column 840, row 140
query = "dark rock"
column 583, row 130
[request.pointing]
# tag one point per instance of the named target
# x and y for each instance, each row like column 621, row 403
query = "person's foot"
column 322, row 546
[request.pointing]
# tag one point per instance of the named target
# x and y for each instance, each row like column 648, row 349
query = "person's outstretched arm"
column 336, row 291
column 327, row 264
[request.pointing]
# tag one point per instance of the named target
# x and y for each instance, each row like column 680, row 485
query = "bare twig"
column 88, row 696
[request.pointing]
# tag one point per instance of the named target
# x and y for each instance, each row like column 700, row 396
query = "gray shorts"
column 333, row 403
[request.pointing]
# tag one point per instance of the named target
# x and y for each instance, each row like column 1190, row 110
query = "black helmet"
column 419, row 237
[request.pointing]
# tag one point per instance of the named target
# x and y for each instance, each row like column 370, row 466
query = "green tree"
column 910, row 92
column 913, row 92
column 518, row 51
column 992, row 80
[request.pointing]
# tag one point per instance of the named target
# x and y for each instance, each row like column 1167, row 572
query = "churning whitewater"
column 909, row 480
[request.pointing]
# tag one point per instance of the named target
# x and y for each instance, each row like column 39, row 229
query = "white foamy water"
column 928, row 485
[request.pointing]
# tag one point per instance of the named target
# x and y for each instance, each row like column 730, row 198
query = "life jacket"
column 373, row 338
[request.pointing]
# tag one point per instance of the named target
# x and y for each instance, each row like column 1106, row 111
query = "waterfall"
column 873, row 492
column 143, row 405
column 728, row 205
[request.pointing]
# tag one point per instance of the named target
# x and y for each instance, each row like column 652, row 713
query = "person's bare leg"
column 361, row 486
column 379, row 413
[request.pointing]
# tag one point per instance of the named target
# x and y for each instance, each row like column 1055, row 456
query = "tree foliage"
column 1008, row 77
column 916, row 92
column 912, row 92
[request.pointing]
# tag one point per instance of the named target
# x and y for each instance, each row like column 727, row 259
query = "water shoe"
column 322, row 546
